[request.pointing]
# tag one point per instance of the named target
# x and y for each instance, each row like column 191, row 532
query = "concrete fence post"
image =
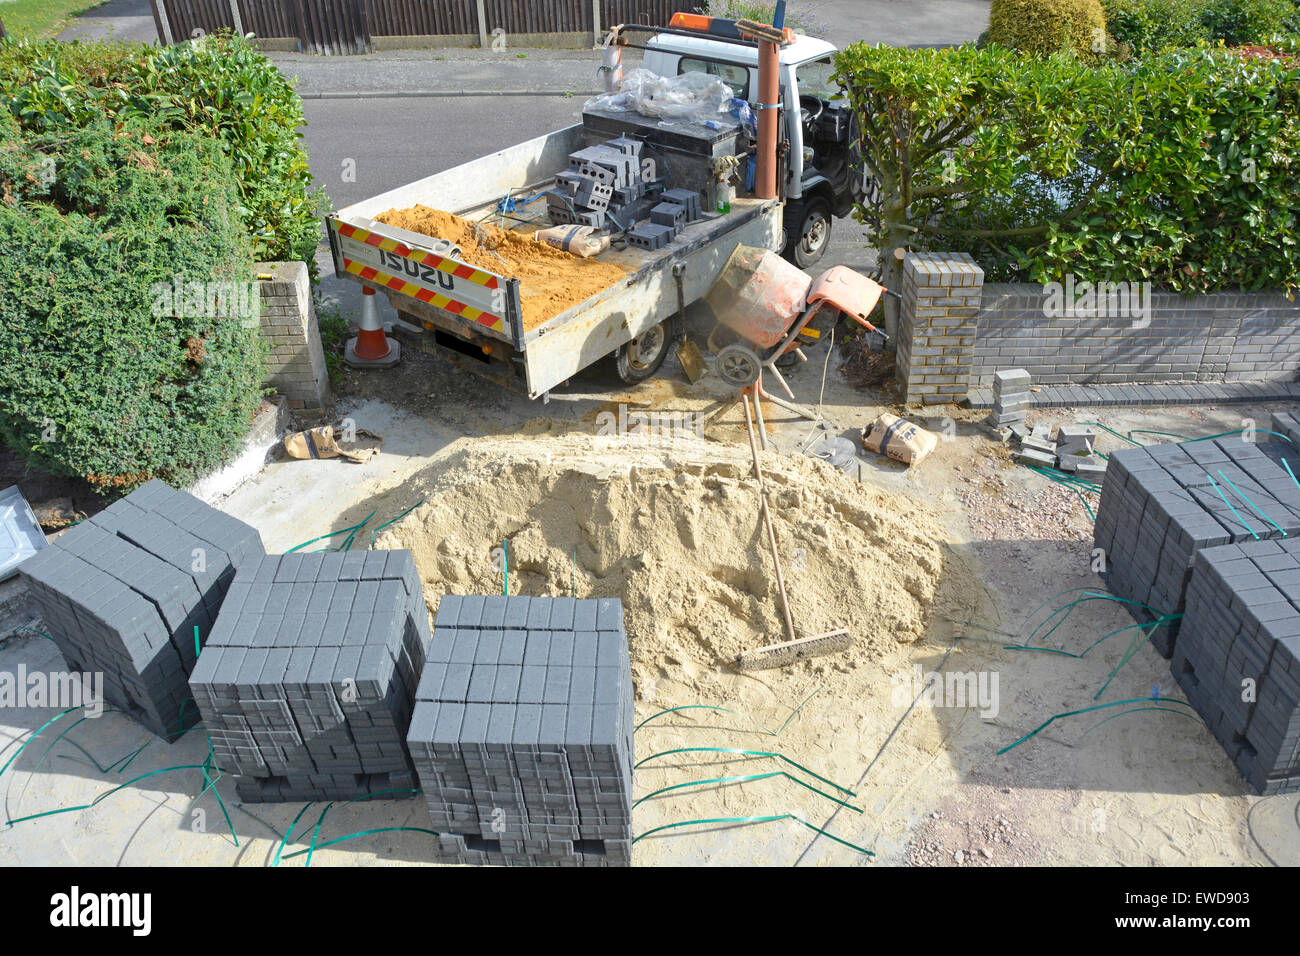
column 481, row 10
column 296, row 368
column 936, row 326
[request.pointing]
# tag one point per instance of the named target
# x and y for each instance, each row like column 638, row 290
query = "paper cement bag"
column 899, row 439
column 320, row 443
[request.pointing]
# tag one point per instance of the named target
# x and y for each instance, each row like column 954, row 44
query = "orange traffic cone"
column 371, row 348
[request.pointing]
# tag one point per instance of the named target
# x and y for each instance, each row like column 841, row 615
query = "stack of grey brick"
column 1286, row 423
column 1011, row 397
column 307, row 682
column 522, row 734
column 124, row 591
column 1162, row 504
column 1074, row 452
column 1238, row 656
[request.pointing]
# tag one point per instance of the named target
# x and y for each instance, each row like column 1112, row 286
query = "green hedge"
column 1181, row 169
column 1155, row 26
column 99, row 376
column 1043, row 27
column 219, row 86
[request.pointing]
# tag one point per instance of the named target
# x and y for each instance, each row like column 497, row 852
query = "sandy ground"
column 929, row 786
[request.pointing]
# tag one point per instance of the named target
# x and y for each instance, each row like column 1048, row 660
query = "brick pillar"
column 936, row 325
column 297, row 364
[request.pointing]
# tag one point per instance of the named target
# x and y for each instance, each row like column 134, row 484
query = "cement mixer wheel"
column 738, row 365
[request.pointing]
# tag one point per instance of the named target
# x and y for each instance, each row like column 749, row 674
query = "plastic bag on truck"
column 690, row 97
column 758, row 294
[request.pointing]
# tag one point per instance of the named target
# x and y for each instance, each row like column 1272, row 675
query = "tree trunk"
column 893, row 238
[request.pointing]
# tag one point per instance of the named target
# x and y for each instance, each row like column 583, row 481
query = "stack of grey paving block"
column 308, row 678
column 1037, row 448
column 522, row 733
column 1286, row 423
column 123, row 592
column 1011, row 397
column 1075, row 454
column 1238, row 656
column 1161, row 504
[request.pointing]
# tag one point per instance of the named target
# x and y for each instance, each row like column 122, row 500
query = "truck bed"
column 476, row 304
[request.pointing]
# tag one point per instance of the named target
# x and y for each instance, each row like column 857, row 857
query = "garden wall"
column 1060, row 337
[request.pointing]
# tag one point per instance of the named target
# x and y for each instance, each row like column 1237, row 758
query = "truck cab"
column 818, row 133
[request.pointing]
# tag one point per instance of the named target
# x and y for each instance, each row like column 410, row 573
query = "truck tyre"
column 807, row 242
column 639, row 359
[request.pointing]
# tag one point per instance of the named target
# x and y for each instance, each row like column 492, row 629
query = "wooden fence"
column 350, row 26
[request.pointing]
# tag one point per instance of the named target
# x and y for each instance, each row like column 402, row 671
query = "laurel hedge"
column 1181, row 169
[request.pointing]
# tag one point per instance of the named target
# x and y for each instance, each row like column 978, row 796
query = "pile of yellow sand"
column 552, row 280
column 678, row 536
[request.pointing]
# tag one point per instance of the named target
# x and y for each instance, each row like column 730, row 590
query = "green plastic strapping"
column 748, row 753
column 353, row 529
column 745, row 779
column 393, row 520
column 780, row 816
column 1125, row 713
column 1224, row 498
column 1159, row 622
column 288, row 833
column 36, row 733
column 1290, row 472
column 107, row 794
column 353, row 836
column 1072, row 713
column 1112, row 431
column 673, row 710
column 1254, row 507
column 1242, row 431
column 311, row 847
column 364, row 797
column 773, row 733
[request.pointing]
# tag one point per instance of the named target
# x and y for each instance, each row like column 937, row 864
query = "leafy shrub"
column 220, row 86
column 1247, row 21
column 1179, row 169
column 1043, row 27
column 99, row 376
column 1152, row 26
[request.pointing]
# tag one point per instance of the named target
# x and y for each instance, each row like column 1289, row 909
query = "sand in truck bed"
column 551, row 280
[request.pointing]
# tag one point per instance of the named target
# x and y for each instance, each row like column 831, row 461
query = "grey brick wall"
column 296, row 368
column 1225, row 336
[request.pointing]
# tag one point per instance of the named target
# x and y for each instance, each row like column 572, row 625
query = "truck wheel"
column 806, row 244
column 642, row 357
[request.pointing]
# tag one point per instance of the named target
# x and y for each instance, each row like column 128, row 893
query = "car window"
column 736, row 77
column 815, row 79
